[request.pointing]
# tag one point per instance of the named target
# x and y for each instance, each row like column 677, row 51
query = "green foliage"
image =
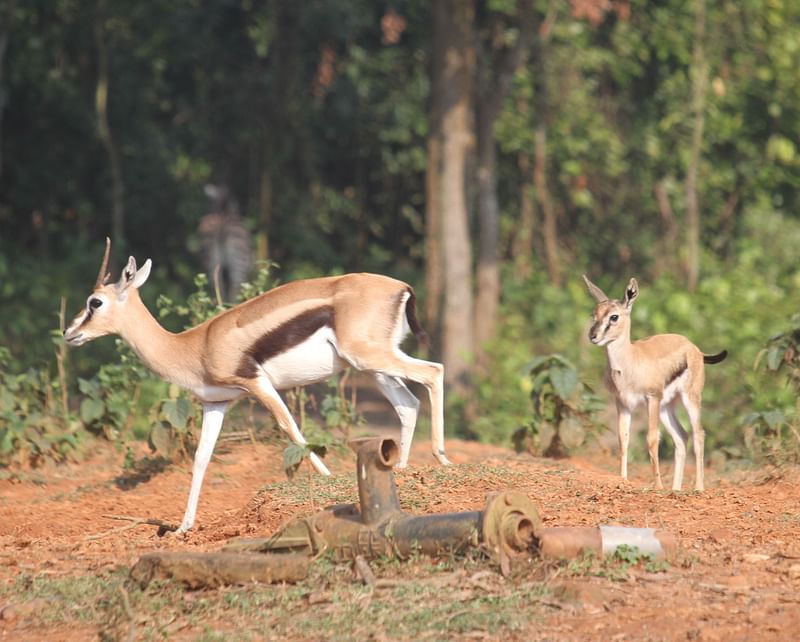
column 111, row 395
column 32, row 427
column 199, row 305
column 557, row 396
column 338, row 412
column 172, row 422
column 295, row 454
column 615, row 567
column 262, row 281
column 774, row 434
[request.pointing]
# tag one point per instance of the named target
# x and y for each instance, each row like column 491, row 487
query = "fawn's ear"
column 631, row 292
column 596, row 292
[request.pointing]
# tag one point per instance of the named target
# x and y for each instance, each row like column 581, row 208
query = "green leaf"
column 293, row 456
column 162, row 438
column 775, row 356
column 91, row 410
column 564, row 381
column 773, row 418
column 536, row 363
column 89, row 387
column 177, row 412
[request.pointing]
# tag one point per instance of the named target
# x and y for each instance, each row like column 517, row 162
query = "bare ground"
column 737, row 576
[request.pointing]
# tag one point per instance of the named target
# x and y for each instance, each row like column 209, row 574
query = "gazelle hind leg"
column 395, row 363
column 265, row 392
column 679, row 438
column 698, row 440
column 653, row 437
column 406, row 405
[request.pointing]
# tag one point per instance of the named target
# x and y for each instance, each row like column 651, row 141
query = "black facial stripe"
column 283, row 338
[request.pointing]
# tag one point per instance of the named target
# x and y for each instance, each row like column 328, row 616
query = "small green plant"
column 261, row 282
column 339, row 412
column 557, row 397
column 33, row 425
column 615, row 567
column 199, row 305
column 112, row 394
column 774, row 433
column 172, row 421
column 295, row 454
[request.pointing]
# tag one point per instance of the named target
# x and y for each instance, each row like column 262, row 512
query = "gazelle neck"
column 171, row 356
column 619, row 350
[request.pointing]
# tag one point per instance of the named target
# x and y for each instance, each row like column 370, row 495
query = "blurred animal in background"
column 225, row 242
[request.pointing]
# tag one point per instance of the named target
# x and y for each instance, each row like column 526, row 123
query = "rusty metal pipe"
column 433, row 534
column 571, row 542
column 377, row 492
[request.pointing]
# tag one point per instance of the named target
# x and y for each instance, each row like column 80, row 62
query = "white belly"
column 217, row 394
column 316, row 359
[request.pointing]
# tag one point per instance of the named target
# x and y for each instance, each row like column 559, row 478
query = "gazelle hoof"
column 444, row 461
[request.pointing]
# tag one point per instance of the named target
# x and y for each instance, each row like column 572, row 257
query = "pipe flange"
column 510, row 525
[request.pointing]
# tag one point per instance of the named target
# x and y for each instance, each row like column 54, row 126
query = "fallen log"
column 210, row 570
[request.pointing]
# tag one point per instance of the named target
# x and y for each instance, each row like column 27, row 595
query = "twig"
column 126, row 604
column 217, row 290
column 137, row 521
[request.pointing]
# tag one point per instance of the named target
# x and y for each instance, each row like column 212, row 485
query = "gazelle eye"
column 95, row 303
column 614, row 318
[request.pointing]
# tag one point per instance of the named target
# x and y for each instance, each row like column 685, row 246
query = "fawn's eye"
column 614, row 318
column 95, row 303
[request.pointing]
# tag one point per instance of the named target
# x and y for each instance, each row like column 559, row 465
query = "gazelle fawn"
column 296, row 334
column 659, row 371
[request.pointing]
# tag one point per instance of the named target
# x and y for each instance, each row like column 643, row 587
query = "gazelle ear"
column 596, row 292
column 132, row 278
column 141, row 274
column 631, row 292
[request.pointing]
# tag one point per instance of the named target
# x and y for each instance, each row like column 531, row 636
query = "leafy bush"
column 33, row 425
column 558, row 398
column 112, row 394
column 774, row 434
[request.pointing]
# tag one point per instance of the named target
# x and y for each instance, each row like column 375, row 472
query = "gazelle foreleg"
column 265, row 392
column 653, row 436
column 406, row 405
column 213, row 416
column 679, row 437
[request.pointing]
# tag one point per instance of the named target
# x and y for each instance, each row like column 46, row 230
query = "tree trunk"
column 457, row 139
column 522, row 243
column 699, row 83
column 550, row 226
column 496, row 73
column 434, row 271
column 264, row 209
column 6, row 21
column 542, row 116
column 666, row 261
column 104, row 129
column 488, row 270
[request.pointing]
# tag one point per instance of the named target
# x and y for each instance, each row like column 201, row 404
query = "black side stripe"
column 676, row 373
column 283, row 338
